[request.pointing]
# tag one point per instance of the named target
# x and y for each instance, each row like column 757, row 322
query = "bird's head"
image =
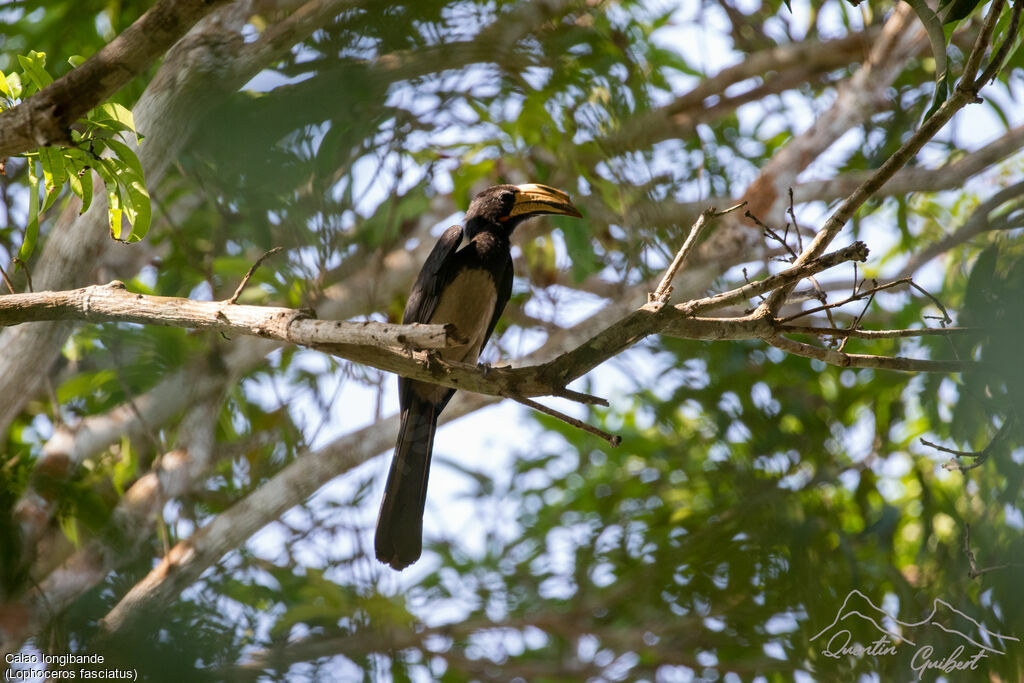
column 502, row 207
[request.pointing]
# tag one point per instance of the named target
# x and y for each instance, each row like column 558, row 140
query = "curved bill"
column 534, row 199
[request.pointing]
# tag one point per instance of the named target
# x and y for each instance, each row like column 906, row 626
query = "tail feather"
column 399, row 537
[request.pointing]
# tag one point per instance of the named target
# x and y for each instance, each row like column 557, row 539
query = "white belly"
column 468, row 303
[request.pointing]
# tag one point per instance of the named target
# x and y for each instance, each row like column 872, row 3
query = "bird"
column 467, row 287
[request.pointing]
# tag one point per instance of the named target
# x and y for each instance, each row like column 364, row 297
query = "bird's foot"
column 432, row 359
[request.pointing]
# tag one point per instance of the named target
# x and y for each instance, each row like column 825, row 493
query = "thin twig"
column 772, row 234
column 819, row 292
column 858, row 251
column 796, row 226
column 979, row 456
column 858, row 360
column 981, row 43
column 664, row 289
column 28, row 274
column 855, row 297
column 3, row 274
column 856, row 321
column 245, row 280
column 974, row 572
column 580, row 397
column 945, row 316
column 876, row 334
column 992, row 70
column 613, row 439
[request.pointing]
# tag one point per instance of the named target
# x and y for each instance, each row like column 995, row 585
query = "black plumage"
column 467, row 287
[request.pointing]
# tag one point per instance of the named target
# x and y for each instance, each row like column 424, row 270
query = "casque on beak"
column 534, row 199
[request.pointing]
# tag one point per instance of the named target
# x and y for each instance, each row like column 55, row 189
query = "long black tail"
column 399, row 538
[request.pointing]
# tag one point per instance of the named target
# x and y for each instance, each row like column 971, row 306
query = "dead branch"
column 979, row 456
column 856, row 360
column 613, row 440
column 878, row 334
column 249, row 273
column 664, row 290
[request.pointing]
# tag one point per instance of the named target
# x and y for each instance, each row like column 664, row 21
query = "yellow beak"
column 534, row 199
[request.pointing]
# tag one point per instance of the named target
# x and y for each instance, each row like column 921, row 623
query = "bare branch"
column 612, row 439
column 856, row 296
column 878, row 334
column 979, row 456
column 664, row 290
column 248, row 274
column 857, row 251
column 855, row 360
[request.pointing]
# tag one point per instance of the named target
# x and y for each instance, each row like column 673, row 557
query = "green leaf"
column 34, row 65
column 76, row 60
column 955, row 10
column 135, row 197
column 941, row 93
column 108, row 170
column 69, row 525
column 55, row 173
column 4, row 88
column 86, row 178
column 112, row 111
column 80, row 176
column 141, row 204
column 14, row 85
column 125, row 154
column 80, row 180
column 32, row 227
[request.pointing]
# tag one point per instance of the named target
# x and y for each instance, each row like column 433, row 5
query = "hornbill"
column 468, row 288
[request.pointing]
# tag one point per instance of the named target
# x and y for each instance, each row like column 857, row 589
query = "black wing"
column 433, row 278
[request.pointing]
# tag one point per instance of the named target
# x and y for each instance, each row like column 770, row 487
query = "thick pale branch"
column 190, row 558
column 856, row 99
column 114, row 303
column 296, row 482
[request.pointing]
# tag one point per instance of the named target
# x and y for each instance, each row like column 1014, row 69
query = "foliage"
column 121, row 172
column 753, row 490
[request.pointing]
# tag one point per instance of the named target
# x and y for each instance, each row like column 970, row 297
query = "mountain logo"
column 858, row 608
column 859, row 605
